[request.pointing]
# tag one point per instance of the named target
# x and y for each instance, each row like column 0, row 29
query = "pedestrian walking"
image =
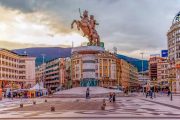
column 147, row 93
column 110, row 97
column 151, row 94
column 87, row 93
column 169, row 92
column 148, row 88
column 114, row 97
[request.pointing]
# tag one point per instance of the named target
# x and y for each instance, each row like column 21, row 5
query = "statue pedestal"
column 85, row 65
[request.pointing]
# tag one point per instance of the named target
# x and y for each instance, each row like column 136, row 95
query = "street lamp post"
column 170, row 77
column 154, row 89
column 161, row 84
column 11, row 89
column 171, row 90
column 142, row 71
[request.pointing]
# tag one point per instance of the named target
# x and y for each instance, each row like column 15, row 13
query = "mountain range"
column 50, row 53
column 136, row 62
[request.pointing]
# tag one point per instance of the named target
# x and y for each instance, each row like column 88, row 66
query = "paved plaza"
column 130, row 108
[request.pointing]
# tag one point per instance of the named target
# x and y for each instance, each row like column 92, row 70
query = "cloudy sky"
column 133, row 26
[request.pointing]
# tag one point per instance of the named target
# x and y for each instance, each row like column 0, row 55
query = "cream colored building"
column 127, row 75
column 107, row 70
column 124, row 74
column 163, row 72
column 173, row 37
column 133, row 77
column 16, row 70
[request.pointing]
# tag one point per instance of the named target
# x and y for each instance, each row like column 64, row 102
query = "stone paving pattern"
column 63, row 105
column 125, row 108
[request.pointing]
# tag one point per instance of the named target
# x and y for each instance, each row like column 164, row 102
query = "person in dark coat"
column 114, row 97
column 110, row 97
column 151, row 94
column 169, row 92
column 87, row 93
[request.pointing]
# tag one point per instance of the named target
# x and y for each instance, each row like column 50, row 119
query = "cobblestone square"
column 124, row 108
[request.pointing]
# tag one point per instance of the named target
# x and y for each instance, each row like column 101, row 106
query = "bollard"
column 45, row 100
column 104, row 102
column 21, row 105
column 102, row 107
column 34, row 102
column 52, row 108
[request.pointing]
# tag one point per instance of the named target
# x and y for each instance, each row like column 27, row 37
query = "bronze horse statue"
column 85, row 27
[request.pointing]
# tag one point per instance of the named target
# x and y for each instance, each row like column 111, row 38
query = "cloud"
column 33, row 12
column 54, row 23
column 35, row 28
column 130, row 25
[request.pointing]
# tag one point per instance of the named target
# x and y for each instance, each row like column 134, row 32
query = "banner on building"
column 164, row 53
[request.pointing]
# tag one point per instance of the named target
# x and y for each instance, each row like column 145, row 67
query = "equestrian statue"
column 88, row 27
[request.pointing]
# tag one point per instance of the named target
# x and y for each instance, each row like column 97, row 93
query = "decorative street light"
column 171, row 80
column 11, row 89
column 142, row 71
column 154, row 80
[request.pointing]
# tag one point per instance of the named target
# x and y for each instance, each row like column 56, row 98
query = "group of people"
column 150, row 92
column 112, row 97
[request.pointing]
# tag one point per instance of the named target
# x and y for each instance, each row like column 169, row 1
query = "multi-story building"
column 127, row 75
column 40, row 73
column 158, row 70
column 106, row 69
column 133, row 77
column 163, row 72
column 123, row 73
column 173, row 37
column 153, row 67
column 144, row 78
column 57, row 73
column 17, row 71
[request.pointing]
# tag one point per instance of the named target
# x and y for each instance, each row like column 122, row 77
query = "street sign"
column 164, row 53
